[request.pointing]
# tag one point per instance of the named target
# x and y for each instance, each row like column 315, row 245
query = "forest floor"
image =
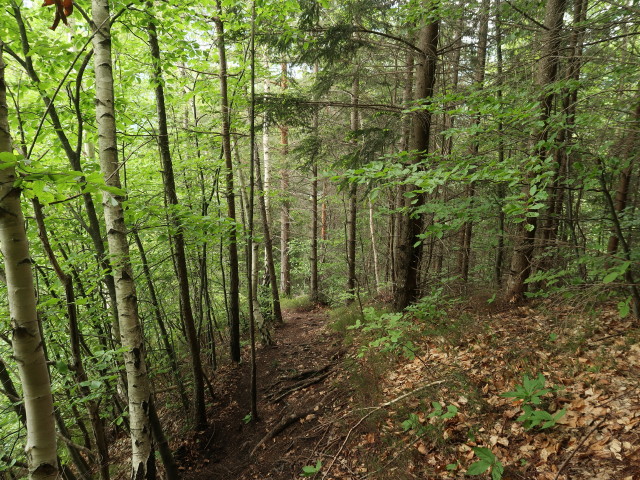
column 298, row 388
column 385, row 415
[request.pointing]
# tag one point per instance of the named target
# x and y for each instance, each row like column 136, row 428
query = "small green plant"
column 438, row 411
column 392, row 333
column 247, row 418
column 531, row 391
column 311, row 470
column 624, row 307
column 532, row 418
column 453, row 466
column 487, row 461
column 413, row 423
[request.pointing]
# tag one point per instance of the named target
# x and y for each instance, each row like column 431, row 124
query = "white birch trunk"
column 25, row 333
column 143, row 465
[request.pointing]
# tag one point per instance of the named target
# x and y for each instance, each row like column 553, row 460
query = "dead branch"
column 276, row 397
column 584, row 439
column 279, row 427
column 90, row 453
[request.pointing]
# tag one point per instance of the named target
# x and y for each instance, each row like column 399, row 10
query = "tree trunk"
column 177, row 237
column 268, row 247
column 374, row 249
column 79, row 373
column 285, row 214
column 565, row 136
column 143, row 460
column 352, row 212
column 234, row 273
column 73, row 155
column 25, row 331
column 409, row 245
column 628, row 151
column 315, row 293
column 521, row 261
column 164, row 333
column 467, row 228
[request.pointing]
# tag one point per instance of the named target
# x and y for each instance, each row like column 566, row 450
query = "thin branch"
column 526, row 15
column 375, row 409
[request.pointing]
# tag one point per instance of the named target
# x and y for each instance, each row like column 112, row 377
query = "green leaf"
column 485, row 454
column 7, row 157
column 62, row 367
column 611, row 277
column 310, row 470
column 624, row 308
column 497, row 471
column 452, row 411
column 478, row 468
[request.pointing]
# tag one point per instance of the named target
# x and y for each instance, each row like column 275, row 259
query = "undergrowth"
column 487, row 359
column 300, row 304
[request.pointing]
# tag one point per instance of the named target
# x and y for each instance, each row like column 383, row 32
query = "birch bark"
column 142, row 455
column 25, row 333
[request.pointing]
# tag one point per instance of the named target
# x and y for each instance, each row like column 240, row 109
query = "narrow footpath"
column 299, row 386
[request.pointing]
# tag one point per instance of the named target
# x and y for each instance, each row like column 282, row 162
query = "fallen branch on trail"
column 285, row 422
column 280, row 427
column 298, row 386
column 301, row 380
column 301, row 375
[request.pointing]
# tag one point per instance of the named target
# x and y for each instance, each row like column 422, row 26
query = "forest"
column 334, row 239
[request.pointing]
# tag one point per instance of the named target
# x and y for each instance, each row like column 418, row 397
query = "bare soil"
column 298, row 383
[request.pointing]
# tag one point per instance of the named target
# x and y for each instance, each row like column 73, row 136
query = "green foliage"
column 532, row 418
column 311, row 470
column 487, row 461
column 301, row 303
column 438, row 411
column 388, row 332
column 530, row 392
column 412, row 423
column 344, row 317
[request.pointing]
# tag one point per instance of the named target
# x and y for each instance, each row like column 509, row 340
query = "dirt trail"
column 297, row 384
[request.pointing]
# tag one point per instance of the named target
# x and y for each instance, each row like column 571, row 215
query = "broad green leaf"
column 611, row 277
column 497, row 471
column 484, row 454
column 478, row 468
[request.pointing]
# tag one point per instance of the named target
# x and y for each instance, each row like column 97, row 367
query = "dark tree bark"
column 164, row 333
column 481, row 57
column 352, row 210
column 268, row 246
column 522, row 258
column 628, row 152
column 314, row 288
column 234, row 273
column 409, row 247
column 176, row 234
